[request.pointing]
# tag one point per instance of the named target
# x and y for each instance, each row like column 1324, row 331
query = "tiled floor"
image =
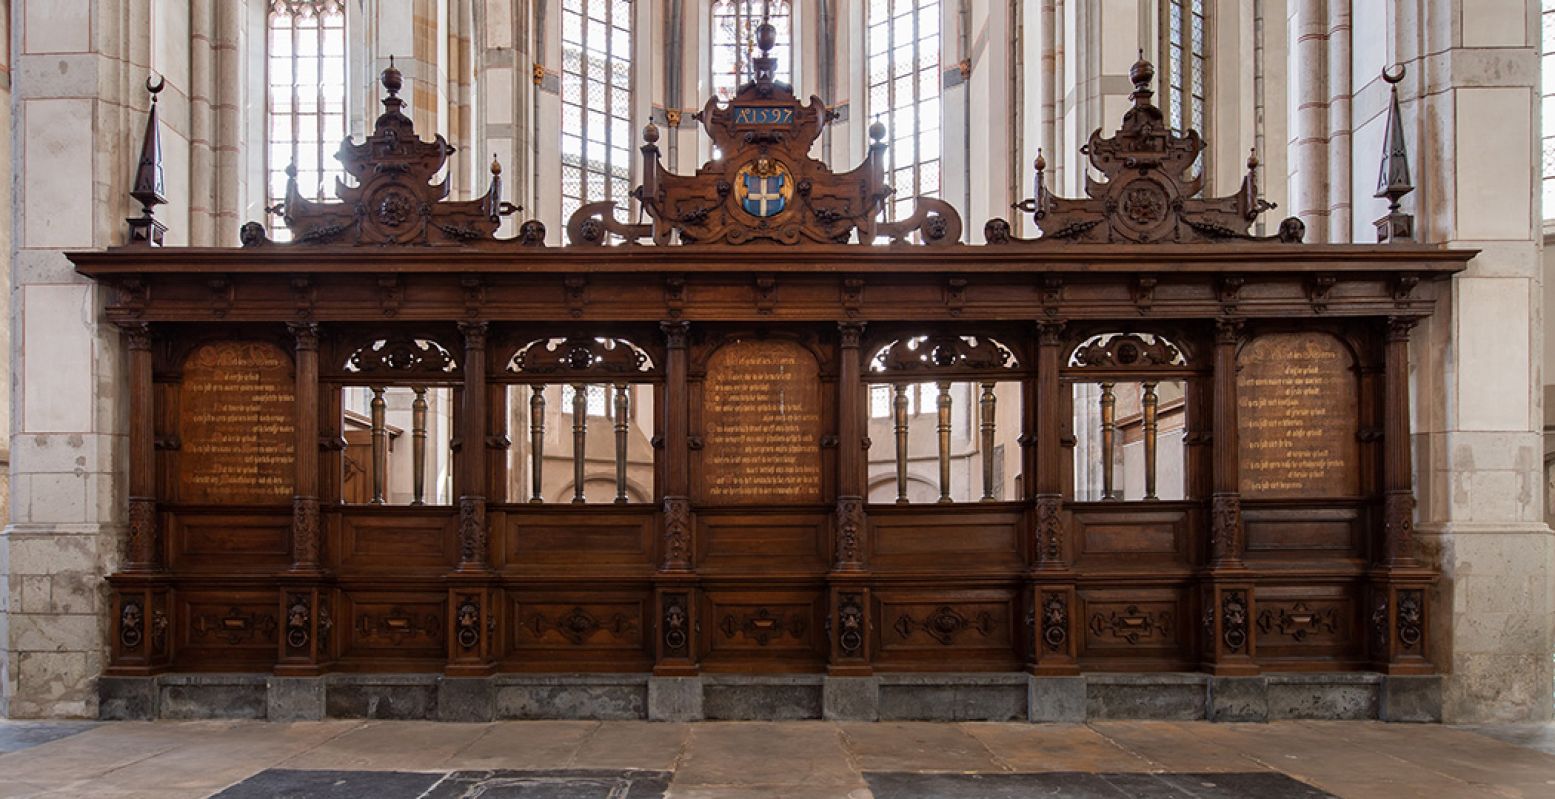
column 797, row 760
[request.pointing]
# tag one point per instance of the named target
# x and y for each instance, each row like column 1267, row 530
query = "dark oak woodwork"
column 756, row 333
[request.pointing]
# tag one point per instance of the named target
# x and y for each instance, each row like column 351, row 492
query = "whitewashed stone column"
column 80, row 67
column 1469, row 111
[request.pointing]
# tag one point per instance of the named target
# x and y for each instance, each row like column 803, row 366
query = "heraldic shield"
column 764, row 187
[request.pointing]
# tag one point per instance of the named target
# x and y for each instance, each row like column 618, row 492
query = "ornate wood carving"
column 299, row 617
column 850, row 624
column 235, row 627
column 1133, row 625
column 676, row 629
column 763, row 626
column 1055, row 622
column 1411, row 618
column 1147, row 194
column 1127, row 351
column 945, row 625
column 1298, row 621
column 132, row 623
column 398, row 625
column 942, row 352
column 1233, row 620
column 582, row 355
column 578, row 625
column 394, row 200
column 401, row 356
column 467, row 622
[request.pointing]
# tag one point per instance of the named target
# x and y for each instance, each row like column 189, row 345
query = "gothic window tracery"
column 1185, row 41
column 596, row 95
column 306, row 98
column 903, row 75
column 734, row 42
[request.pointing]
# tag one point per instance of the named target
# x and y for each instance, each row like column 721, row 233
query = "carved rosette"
column 677, row 533
column 472, row 531
column 467, row 622
column 305, row 530
column 1055, row 622
column 850, row 530
column 1233, row 622
column 1225, row 526
column 143, row 532
column 1050, row 528
column 677, row 626
column 850, row 624
column 299, row 615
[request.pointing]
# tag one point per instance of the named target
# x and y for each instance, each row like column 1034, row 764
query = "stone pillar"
column 1468, row 102
column 1309, row 116
column 79, row 119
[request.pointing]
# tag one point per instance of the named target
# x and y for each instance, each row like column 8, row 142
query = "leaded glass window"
column 1547, row 92
column 904, row 93
column 596, row 131
column 1185, row 85
column 306, row 98
column 734, row 42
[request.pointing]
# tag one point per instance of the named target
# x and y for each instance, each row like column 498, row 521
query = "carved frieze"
column 762, row 625
column 1298, row 621
column 578, row 625
column 945, row 624
column 397, row 625
column 235, row 627
column 1133, row 625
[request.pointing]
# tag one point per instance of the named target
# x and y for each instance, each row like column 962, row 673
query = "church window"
column 903, row 44
column 734, row 42
column 596, row 130
column 1547, row 90
column 1185, row 51
column 306, row 98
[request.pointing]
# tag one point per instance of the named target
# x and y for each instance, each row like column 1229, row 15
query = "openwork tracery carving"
column 943, row 352
column 1127, row 351
column 402, row 355
column 581, row 355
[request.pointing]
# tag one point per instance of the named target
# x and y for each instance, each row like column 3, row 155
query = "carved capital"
column 1050, row 333
column 675, row 334
column 305, row 334
column 851, row 333
column 1399, row 327
column 474, row 333
column 1228, row 329
column 137, row 336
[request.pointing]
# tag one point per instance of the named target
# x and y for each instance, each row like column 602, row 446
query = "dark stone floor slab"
column 1075, row 785
column 568, row 784
column 18, row 735
column 280, row 783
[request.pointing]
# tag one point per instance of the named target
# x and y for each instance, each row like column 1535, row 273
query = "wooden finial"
column 148, row 186
column 1393, row 181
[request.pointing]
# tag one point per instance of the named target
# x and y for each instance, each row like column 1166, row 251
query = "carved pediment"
column 1148, row 194
column 394, row 199
column 765, row 187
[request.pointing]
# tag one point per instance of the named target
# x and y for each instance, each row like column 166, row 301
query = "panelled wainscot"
column 735, row 440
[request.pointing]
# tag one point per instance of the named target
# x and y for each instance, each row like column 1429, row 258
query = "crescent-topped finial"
column 1391, row 76
column 155, row 83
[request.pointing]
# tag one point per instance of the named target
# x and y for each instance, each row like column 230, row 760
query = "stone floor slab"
column 633, row 744
column 391, row 746
column 1054, row 747
column 1079, row 785
column 1172, row 745
column 524, row 745
column 18, row 735
column 294, row 784
column 915, row 746
column 765, row 754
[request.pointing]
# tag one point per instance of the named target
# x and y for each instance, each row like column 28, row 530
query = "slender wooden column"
column 850, row 451
column 305, row 501
column 677, row 466
column 943, row 405
column 380, row 436
column 1150, row 405
column 144, row 550
column 470, row 474
column 1229, row 603
column 1051, row 596
column 537, row 441
column 622, row 409
column 899, row 414
column 849, row 610
column 1226, row 501
column 418, row 444
column 987, row 405
column 675, row 640
column 1398, row 611
column 580, row 426
column 1109, row 434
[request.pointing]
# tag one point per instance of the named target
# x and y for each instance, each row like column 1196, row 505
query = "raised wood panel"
column 549, row 540
column 395, row 626
column 740, row 627
column 1314, row 623
column 762, row 542
column 935, row 538
column 1135, row 626
column 239, row 542
column 1131, row 535
column 1327, row 531
column 227, row 629
column 584, row 625
column 926, row 629
column 396, row 541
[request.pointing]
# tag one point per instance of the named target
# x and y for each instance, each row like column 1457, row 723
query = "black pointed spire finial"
column 1393, row 181
column 148, row 187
